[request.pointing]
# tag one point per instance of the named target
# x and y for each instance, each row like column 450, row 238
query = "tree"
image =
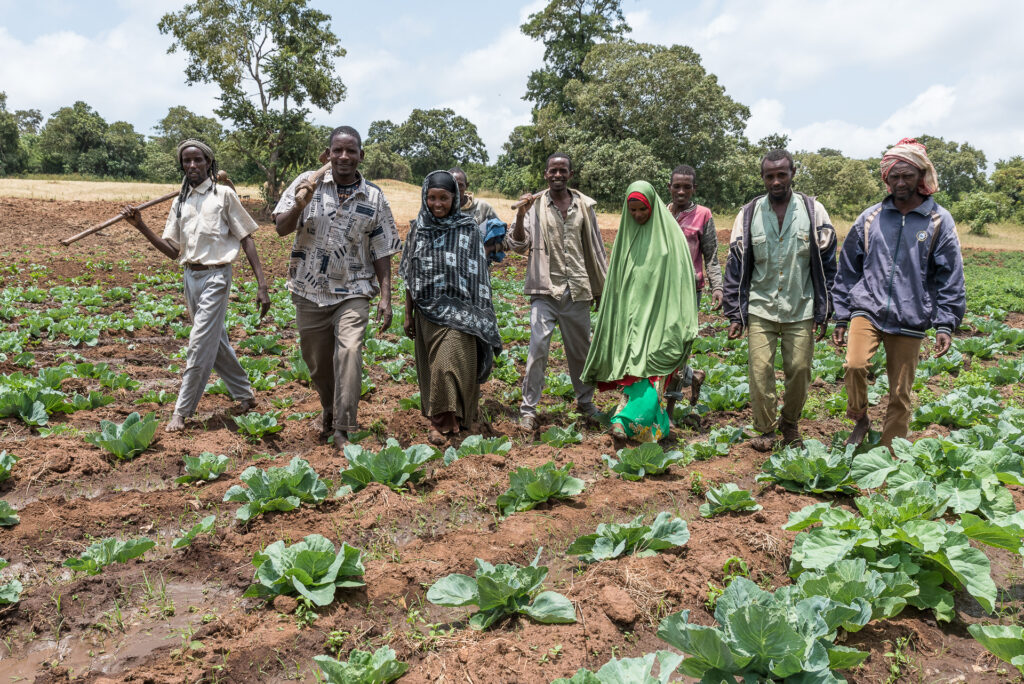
column 383, row 162
column 73, row 141
column 687, row 118
column 960, row 167
column 977, row 210
column 1008, row 181
column 844, row 186
column 29, row 121
column 431, row 139
column 125, row 150
column 10, row 148
column 269, row 58
column 179, row 124
column 569, row 29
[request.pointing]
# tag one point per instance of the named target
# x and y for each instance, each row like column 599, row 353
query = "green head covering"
column 649, row 308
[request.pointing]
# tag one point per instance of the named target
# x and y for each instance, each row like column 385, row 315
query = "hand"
column 383, row 315
column 716, row 300
column 304, row 193
column 263, row 297
column 839, row 336
column 133, row 216
column 942, row 344
column 735, row 331
column 409, row 326
column 527, row 202
column 819, row 330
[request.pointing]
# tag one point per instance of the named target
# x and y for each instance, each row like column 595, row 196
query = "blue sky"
column 851, row 75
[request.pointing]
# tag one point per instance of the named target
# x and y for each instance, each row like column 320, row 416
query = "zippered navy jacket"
column 740, row 267
column 909, row 278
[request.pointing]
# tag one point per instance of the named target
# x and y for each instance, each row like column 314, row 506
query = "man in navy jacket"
column 900, row 273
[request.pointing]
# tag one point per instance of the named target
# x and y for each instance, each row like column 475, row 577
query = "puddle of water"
column 114, row 647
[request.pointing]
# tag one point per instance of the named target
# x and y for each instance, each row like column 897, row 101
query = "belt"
column 203, row 267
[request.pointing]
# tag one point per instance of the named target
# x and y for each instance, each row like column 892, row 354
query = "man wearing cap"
column 900, row 273
column 205, row 229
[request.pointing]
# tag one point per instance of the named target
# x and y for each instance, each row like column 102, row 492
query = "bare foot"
column 698, row 380
column 435, row 437
column 860, row 430
column 323, row 424
column 177, row 424
column 245, row 405
column 340, row 439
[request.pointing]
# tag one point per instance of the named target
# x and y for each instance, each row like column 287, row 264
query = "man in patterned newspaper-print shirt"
column 341, row 259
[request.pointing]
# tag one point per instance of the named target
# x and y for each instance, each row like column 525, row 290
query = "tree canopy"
column 429, row 139
column 569, row 30
column 269, row 58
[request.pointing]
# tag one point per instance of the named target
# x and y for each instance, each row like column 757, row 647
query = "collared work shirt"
column 780, row 286
column 336, row 242
column 211, row 228
column 564, row 239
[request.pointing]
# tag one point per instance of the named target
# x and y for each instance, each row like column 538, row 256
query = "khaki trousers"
column 797, row 352
column 573, row 318
column 206, row 298
column 901, row 353
column 331, row 339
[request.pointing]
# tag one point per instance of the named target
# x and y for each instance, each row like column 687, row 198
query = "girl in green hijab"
column 648, row 315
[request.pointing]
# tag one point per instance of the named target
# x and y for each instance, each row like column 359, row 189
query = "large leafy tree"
column 569, row 29
column 430, row 139
column 10, row 150
column 660, row 97
column 270, row 58
column 72, row 140
column 179, row 124
column 844, row 186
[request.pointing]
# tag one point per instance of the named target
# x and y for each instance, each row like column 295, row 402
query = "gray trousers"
column 573, row 318
column 331, row 339
column 206, row 298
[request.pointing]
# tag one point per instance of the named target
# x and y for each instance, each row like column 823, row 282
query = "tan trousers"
column 331, row 339
column 797, row 352
column 901, row 352
column 573, row 318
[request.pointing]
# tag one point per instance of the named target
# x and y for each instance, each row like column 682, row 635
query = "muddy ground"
column 179, row 616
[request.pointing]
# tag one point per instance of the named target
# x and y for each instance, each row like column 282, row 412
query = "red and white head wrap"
column 914, row 153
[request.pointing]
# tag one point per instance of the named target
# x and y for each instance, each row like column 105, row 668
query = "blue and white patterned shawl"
column 445, row 272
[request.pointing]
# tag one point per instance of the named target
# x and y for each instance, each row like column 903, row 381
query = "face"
column 903, row 180
column 345, row 155
column 460, row 180
column 777, row 177
column 640, row 212
column 682, row 188
column 197, row 168
column 439, row 202
column 558, row 173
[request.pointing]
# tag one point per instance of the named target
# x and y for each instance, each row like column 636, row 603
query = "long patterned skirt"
column 446, row 365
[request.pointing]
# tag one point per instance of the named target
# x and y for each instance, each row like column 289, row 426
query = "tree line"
column 622, row 109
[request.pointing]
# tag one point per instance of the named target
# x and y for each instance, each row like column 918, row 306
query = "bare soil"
column 179, row 616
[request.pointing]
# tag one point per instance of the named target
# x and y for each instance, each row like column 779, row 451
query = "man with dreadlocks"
column 900, row 273
column 205, row 229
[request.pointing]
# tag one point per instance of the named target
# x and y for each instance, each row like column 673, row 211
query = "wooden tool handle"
column 112, row 221
column 302, row 195
column 522, row 202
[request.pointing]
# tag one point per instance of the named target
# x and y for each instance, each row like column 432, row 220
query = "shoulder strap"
column 867, row 225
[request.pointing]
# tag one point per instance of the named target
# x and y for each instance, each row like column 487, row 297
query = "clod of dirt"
column 285, row 604
column 59, row 463
column 617, row 605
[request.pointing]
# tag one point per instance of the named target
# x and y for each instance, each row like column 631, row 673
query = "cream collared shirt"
column 211, row 228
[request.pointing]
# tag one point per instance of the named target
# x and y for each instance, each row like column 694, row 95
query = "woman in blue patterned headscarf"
column 448, row 309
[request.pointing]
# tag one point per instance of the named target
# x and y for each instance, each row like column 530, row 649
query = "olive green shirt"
column 780, row 286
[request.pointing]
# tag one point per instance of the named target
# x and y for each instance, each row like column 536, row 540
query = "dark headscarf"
column 445, row 272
